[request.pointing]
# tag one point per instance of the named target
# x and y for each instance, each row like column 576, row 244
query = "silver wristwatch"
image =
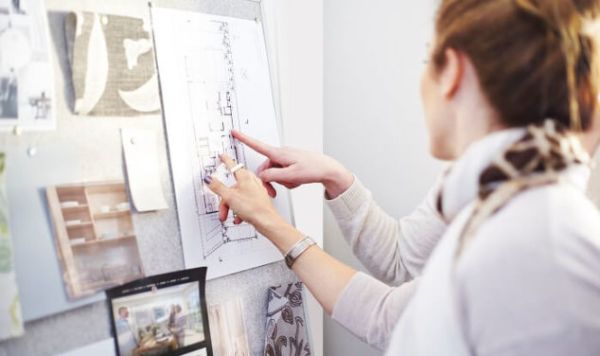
column 299, row 248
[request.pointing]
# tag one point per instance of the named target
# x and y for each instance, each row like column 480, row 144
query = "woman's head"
column 517, row 61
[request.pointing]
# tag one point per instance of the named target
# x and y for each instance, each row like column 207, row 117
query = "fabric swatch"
column 113, row 68
column 287, row 332
column 11, row 323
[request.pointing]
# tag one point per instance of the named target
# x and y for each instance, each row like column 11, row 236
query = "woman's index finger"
column 258, row 146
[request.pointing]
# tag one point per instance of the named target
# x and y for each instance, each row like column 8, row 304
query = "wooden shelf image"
column 67, row 209
column 95, row 236
column 93, row 243
column 78, row 226
column 112, row 214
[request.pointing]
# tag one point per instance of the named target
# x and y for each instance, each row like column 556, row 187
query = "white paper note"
column 143, row 174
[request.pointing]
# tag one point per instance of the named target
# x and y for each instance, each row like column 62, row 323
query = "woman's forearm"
column 322, row 274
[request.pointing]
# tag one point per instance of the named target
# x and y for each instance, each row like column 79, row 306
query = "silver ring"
column 236, row 168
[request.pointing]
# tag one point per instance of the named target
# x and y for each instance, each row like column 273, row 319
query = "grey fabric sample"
column 113, row 67
column 286, row 323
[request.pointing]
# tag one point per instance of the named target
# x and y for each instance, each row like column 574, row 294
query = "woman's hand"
column 248, row 199
column 292, row 167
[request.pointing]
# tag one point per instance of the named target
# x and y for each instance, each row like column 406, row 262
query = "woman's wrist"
column 280, row 232
column 337, row 181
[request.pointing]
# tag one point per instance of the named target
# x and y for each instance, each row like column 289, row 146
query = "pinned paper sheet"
column 143, row 173
column 11, row 322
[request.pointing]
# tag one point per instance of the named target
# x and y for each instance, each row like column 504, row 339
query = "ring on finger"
column 237, row 167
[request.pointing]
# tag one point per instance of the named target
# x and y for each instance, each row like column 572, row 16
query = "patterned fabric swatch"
column 287, row 332
column 11, row 323
column 113, row 68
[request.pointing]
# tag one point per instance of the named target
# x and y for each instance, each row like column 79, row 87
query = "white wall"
column 374, row 52
column 295, row 39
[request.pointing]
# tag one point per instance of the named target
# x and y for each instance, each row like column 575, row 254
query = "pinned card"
column 143, row 174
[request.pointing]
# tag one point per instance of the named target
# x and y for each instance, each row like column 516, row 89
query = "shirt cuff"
column 345, row 205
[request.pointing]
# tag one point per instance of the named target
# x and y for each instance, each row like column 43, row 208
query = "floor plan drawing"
column 212, row 120
column 214, row 77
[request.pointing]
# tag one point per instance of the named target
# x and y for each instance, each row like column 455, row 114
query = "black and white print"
column 26, row 84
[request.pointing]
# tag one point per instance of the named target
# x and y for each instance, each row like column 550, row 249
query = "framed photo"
column 161, row 315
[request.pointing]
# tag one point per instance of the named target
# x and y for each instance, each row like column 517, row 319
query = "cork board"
column 89, row 149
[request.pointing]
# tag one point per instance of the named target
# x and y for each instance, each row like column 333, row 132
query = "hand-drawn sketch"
column 212, row 135
column 214, row 79
column 26, row 84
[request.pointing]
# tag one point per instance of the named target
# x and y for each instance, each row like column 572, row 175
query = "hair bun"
column 550, row 62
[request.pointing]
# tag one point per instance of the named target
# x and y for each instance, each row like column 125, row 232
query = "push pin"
column 17, row 130
column 32, row 151
column 132, row 140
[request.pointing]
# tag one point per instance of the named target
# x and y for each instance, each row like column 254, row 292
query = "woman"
column 177, row 323
column 503, row 257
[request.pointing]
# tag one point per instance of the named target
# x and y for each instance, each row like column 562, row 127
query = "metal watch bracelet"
column 298, row 249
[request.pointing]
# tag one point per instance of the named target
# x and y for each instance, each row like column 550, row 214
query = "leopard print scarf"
column 535, row 160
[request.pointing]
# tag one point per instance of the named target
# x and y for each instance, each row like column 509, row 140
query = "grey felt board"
column 89, row 149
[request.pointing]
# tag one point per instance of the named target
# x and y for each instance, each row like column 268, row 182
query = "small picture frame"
column 161, row 315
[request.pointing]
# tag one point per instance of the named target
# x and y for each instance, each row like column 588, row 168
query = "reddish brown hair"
column 533, row 58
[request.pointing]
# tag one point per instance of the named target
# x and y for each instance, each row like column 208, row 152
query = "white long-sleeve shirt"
column 529, row 284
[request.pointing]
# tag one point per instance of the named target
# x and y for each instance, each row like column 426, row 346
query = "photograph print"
column 161, row 315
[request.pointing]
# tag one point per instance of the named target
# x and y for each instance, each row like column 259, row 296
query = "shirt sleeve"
column 393, row 251
column 380, row 308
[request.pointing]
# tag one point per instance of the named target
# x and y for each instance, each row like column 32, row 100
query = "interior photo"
column 155, row 322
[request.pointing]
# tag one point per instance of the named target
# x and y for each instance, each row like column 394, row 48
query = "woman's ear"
column 451, row 75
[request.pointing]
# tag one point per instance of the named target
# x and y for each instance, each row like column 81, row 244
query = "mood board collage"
column 202, row 86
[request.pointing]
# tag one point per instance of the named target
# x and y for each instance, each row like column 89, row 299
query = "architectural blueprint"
column 214, row 77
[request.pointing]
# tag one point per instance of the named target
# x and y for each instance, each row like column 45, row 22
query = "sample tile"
column 215, row 78
column 112, row 63
column 26, row 79
column 94, row 235
column 287, row 332
column 143, row 174
column 11, row 323
column 161, row 315
column 227, row 329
